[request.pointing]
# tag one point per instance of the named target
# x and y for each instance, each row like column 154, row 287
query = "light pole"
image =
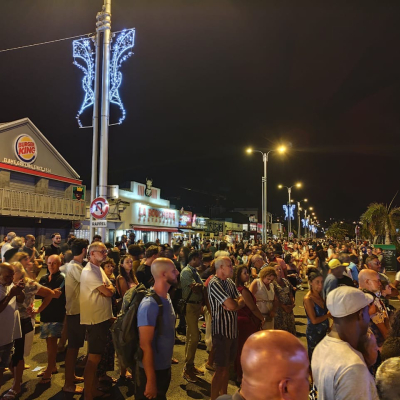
column 299, row 217
column 264, row 203
column 298, row 185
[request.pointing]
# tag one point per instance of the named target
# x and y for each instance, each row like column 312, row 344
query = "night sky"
column 210, row 78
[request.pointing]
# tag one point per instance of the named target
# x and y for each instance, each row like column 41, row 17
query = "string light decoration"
column 305, row 222
column 289, row 210
column 82, row 49
column 120, row 53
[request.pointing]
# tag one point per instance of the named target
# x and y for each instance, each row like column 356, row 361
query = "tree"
column 336, row 231
column 382, row 221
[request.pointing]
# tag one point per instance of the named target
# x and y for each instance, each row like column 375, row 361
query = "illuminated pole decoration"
column 103, row 88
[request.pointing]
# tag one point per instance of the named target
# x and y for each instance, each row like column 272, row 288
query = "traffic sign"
column 100, row 223
column 99, row 208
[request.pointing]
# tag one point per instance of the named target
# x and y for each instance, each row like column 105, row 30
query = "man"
column 75, row 331
column 339, row 370
column 288, row 379
column 388, row 379
column 96, row 238
column 137, row 254
column 96, row 313
column 372, row 262
column 272, row 257
column 67, row 245
column 370, row 283
column 52, row 315
column 9, row 315
column 30, row 248
column 336, row 277
column 124, row 245
column 367, row 254
column 7, row 246
column 155, row 366
column 353, row 268
column 213, row 249
column 143, row 273
column 207, row 259
column 192, row 293
column 54, row 248
column 222, row 252
column 224, row 300
column 257, row 263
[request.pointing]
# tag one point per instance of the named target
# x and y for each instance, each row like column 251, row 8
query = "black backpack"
column 125, row 332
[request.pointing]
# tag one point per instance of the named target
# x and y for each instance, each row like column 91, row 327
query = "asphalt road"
column 179, row 388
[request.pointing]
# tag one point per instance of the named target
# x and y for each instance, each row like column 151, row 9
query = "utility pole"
column 265, row 220
column 298, row 221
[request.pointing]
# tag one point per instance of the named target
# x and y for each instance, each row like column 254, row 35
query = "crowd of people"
column 245, row 293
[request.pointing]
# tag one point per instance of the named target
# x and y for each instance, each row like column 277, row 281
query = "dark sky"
column 208, row 79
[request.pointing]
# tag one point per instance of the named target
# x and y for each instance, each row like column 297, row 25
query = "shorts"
column 225, row 350
column 75, row 331
column 97, row 337
column 5, row 355
column 51, row 329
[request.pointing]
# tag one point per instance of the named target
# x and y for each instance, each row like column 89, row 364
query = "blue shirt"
column 147, row 316
column 354, row 271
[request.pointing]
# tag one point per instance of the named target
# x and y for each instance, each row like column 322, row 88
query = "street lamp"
column 298, row 185
column 299, row 217
column 264, row 203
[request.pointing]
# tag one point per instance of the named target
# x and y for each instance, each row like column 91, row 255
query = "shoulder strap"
column 156, row 297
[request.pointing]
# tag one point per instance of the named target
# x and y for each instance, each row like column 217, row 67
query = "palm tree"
column 381, row 221
column 336, row 231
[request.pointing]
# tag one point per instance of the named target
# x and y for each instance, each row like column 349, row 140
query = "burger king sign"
column 25, row 149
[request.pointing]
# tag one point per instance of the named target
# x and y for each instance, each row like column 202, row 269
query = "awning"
column 147, row 228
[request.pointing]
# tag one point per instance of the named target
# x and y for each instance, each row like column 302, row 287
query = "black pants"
column 163, row 379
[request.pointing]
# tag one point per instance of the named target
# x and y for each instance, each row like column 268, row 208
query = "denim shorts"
column 50, row 329
column 5, row 355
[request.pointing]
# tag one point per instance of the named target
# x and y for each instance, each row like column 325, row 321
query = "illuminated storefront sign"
column 185, row 219
column 154, row 216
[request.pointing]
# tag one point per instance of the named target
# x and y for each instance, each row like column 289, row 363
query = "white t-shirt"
column 4, row 248
column 9, row 318
column 73, row 272
column 397, row 278
column 340, row 372
column 95, row 308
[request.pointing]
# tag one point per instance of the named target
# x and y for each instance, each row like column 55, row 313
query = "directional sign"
column 100, row 223
column 99, row 208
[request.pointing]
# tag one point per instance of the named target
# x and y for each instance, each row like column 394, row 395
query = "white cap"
column 346, row 300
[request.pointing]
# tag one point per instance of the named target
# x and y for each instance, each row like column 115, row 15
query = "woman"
column 284, row 319
column 126, row 278
column 263, row 290
column 249, row 317
column 108, row 266
column 23, row 346
column 183, row 256
column 316, row 311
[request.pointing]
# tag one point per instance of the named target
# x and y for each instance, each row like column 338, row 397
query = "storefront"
column 40, row 193
column 214, row 229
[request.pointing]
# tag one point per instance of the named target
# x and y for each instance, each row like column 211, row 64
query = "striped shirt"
column 224, row 322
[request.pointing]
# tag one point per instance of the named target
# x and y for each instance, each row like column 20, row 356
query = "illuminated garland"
column 82, row 49
column 124, row 43
column 289, row 210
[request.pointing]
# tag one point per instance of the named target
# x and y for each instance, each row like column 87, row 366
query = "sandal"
column 45, row 381
column 76, row 391
column 40, row 374
column 79, row 379
column 11, row 395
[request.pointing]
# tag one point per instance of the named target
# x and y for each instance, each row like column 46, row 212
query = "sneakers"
column 198, row 371
column 190, row 376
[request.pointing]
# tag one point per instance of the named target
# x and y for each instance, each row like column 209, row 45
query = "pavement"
column 179, row 388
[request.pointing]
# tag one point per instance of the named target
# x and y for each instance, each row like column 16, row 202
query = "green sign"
column 78, row 192
column 389, row 256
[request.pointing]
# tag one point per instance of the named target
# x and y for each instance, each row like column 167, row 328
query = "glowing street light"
column 264, row 203
column 298, row 185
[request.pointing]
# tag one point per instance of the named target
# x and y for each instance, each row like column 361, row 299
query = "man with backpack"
column 156, row 342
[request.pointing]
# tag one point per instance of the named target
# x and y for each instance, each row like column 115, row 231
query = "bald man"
column 288, row 379
column 379, row 324
column 155, row 367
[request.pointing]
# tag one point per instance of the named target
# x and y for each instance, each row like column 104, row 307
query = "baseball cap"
column 336, row 263
column 347, row 300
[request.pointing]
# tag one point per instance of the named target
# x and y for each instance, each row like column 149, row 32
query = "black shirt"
column 345, row 281
column 55, row 311
column 30, row 251
column 143, row 275
column 50, row 250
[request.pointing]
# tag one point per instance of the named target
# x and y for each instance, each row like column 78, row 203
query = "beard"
column 172, row 283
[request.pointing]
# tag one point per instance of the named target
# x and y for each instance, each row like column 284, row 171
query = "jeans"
column 192, row 333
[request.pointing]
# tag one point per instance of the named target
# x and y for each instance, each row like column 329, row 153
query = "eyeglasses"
column 100, row 251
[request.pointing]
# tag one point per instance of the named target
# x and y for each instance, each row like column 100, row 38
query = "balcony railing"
column 24, row 204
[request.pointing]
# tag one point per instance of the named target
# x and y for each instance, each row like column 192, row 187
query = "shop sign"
column 185, row 219
column 199, row 222
column 25, row 149
column 78, row 192
column 147, row 215
column 100, row 223
column 253, row 227
column 215, row 226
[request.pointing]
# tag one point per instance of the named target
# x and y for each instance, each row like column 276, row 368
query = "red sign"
column 99, row 208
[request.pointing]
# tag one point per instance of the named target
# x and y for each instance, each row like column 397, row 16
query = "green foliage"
column 337, row 231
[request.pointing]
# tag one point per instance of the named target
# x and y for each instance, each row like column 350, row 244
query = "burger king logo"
column 25, row 149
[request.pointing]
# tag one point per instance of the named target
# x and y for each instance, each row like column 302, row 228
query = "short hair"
column 151, row 251
column 108, row 245
column 354, row 259
column 135, row 250
column 118, row 243
column 256, row 258
column 390, row 348
column 108, row 260
column 78, row 245
column 267, row 271
column 176, row 247
column 94, row 245
column 194, row 254
column 388, row 379
column 68, row 256
column 53, row 235
column 11, row 235
column 223, row 246
column 207, row 257
column 220, row 261
column 27, row 237
column 6, row 267
column 97, row 237
column 370, row 259
column 344, row 257
column 16, row 243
